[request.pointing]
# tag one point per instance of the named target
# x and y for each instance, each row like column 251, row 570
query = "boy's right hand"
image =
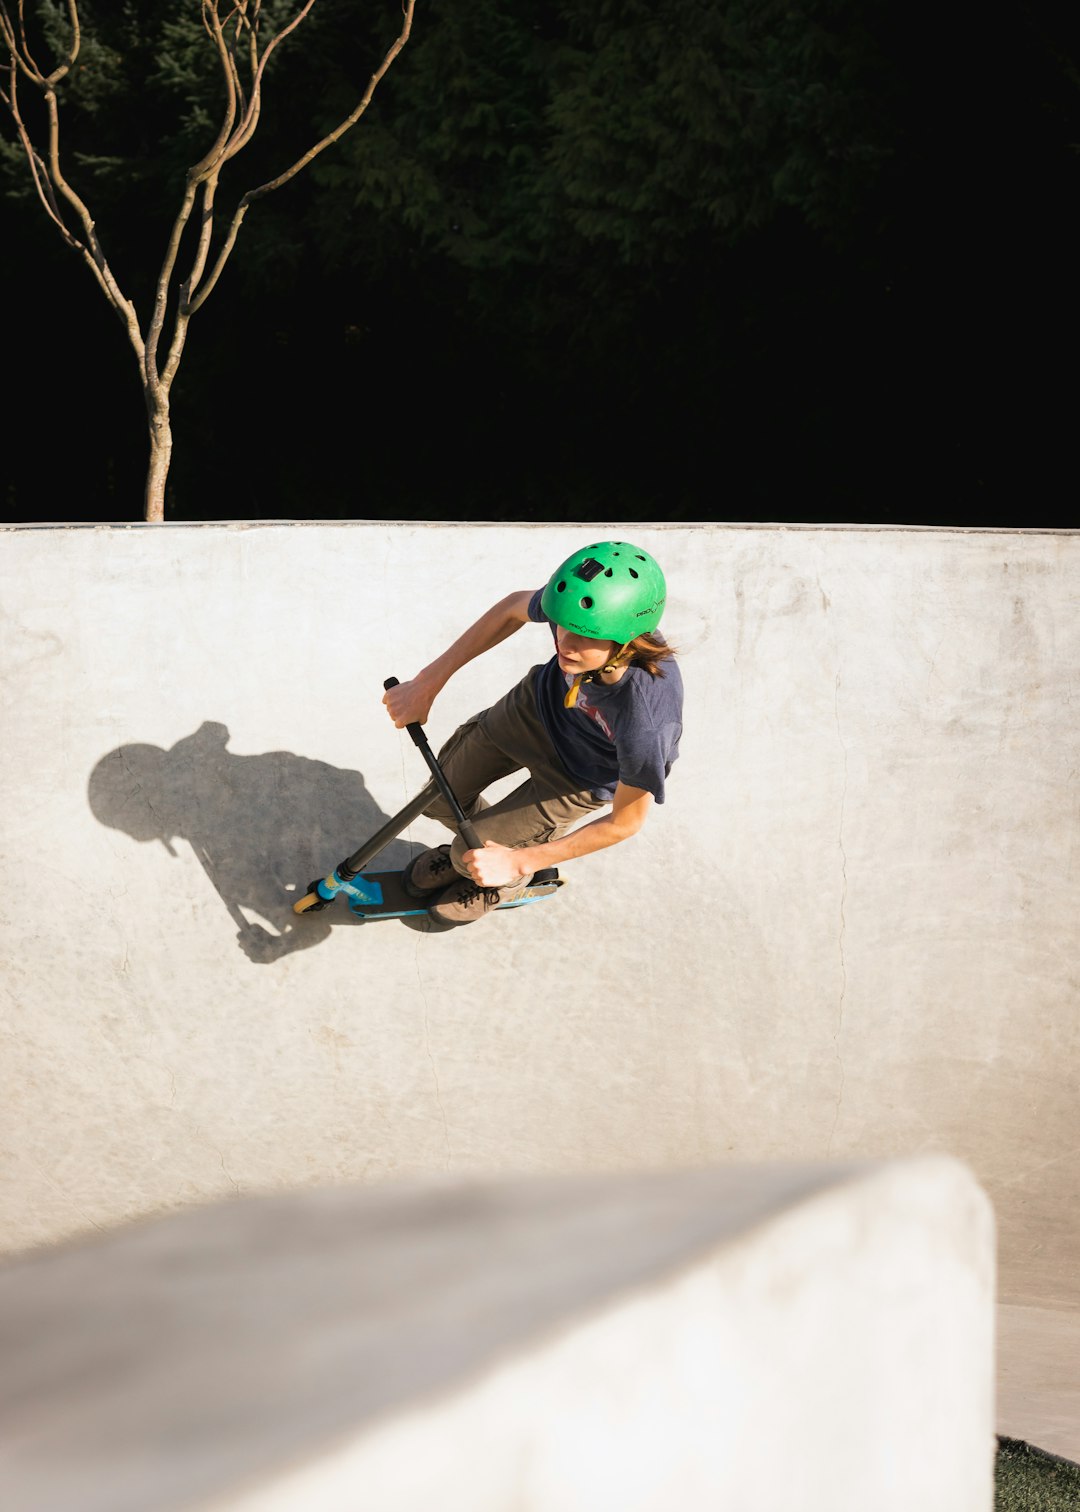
column 408, row 703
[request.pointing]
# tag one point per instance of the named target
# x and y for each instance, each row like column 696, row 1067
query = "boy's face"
column 577, row 653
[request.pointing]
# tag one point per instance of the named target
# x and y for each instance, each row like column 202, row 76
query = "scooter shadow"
column 261, row 826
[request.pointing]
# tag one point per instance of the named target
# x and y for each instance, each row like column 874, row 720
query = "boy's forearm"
column 592, row 837
column 411, row 701
column 490, row 629
column 496, row 865
column 583, row 842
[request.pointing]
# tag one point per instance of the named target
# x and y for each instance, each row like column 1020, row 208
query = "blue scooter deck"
column 380, row 895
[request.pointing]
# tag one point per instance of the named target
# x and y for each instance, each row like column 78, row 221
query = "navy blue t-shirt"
column 626, row 732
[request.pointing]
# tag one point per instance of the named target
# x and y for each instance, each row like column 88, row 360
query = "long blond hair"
column 649, row 652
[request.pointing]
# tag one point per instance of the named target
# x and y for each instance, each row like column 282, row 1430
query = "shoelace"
column 492, row 895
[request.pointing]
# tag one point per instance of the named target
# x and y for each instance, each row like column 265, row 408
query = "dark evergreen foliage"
column 630, row 260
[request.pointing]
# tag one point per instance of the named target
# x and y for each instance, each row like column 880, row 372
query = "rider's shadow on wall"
column 261, row 826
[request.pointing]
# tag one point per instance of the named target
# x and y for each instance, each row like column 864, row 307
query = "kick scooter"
column 380, row 894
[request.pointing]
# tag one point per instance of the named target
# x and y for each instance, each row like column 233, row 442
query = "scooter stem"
column 420, row 741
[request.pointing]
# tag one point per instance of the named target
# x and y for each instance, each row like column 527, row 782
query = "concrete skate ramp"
column 850, row 932
column 726, row 1338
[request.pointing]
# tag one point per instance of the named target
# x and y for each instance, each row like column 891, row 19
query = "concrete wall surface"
column 849, row 933
column 1038, row 1378
column 814, row 1338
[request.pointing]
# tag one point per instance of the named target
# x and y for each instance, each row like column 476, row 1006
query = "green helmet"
column 609, row 591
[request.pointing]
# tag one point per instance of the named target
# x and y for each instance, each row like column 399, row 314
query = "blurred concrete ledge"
column 756, row 1337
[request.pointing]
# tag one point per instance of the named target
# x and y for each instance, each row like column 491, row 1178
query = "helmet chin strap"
column 618, row 660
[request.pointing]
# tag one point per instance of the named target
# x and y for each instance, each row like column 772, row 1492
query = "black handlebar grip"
column 416, row 730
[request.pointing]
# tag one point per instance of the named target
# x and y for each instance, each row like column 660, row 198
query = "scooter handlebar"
column 416, row 729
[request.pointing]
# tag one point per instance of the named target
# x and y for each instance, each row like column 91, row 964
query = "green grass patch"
column 1028, row 1480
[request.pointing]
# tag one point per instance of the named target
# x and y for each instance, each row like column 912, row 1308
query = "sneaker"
column 429, row 872
column 465, row 901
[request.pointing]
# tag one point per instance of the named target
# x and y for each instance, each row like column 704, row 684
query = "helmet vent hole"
column 560, row 588
column 608, row 572
column 586, row 603
column 633, row 574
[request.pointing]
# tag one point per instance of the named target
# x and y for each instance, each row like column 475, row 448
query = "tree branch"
column 408, row 6
column 20, row 49
column 198, row 173
column 38, row 170
column 246, row 130
column 45, row 172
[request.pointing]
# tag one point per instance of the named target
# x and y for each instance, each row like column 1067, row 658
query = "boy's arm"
column 499, row 866
column 411, row 701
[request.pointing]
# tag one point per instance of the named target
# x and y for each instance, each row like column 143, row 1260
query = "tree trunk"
column 160, row 456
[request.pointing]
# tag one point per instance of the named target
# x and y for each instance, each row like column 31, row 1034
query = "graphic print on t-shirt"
column 592, row 712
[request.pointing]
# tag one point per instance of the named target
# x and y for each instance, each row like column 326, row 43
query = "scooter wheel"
column 312, row 901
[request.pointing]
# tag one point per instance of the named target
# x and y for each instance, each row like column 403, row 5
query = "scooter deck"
column 380, row 895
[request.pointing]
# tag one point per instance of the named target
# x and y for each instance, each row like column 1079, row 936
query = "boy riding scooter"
column 597, row 724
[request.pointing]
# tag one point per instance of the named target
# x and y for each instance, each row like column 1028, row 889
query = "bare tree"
column 244, row 42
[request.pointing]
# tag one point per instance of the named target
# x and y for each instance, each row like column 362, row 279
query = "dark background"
column 629, row 262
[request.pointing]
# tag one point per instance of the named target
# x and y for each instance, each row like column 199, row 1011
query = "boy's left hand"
column 495, row 865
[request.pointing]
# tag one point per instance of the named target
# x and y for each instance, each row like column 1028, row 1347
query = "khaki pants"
column 507, row 738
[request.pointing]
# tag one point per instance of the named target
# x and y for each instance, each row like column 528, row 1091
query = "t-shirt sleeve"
column 647, row 747
column 535, row 611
